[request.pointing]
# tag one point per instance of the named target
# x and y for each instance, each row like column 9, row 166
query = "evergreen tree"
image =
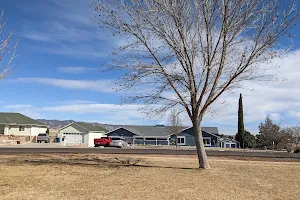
column 249, row 140
column 240, row 136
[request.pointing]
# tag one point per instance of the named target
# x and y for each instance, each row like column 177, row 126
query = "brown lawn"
column 144, row 177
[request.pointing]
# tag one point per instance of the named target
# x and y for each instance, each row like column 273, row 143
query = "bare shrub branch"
column 7, row 50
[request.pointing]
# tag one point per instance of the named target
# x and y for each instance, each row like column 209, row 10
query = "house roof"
column 90, row 127
column 18, row 119
column 159, row 130
column 211, row 130
column 147, row 130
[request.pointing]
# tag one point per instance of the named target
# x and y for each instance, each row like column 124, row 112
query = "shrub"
column 289, row 149
column 297, row 150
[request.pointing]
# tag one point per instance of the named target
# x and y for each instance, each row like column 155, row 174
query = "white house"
column 20, row 125
column 80, row 133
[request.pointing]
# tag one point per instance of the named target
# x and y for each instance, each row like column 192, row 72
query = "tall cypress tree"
column 241, row 129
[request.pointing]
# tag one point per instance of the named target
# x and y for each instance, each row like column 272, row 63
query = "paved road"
column 20, row 150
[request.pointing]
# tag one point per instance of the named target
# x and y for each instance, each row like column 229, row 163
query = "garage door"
column 73, row 138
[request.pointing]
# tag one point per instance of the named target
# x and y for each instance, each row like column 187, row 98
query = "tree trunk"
column 202, row 158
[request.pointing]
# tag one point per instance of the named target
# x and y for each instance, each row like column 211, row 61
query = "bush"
column 289, row 149
column 297, row 150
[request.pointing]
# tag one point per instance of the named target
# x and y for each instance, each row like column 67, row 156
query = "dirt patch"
column 144, row 177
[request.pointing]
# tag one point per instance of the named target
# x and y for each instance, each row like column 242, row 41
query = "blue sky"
column 59, row 73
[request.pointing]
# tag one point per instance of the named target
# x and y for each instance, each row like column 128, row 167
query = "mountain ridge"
column 57, row 124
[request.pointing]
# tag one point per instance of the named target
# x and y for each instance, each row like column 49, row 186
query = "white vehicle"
column 118, row 142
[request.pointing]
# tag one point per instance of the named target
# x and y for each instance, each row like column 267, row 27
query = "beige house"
column 80, row 133
column 20, row 125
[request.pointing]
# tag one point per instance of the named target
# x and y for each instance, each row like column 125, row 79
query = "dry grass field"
column 144, row 177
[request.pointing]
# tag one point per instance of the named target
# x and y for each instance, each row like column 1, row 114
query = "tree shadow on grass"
column 112, row 162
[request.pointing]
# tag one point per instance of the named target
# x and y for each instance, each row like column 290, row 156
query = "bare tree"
column 294, row 135
column 175, row 124
column 7, row 50
column 189, row 52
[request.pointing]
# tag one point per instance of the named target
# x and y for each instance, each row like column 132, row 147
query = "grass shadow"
column 112, row 162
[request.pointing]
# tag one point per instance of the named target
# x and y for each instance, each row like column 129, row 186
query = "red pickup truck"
column 104, row 141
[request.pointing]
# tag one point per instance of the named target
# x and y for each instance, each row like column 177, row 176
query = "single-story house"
column 80, row 133
column 150, row 135
column 162, row 135
column 20, row 125
column 211, row 138
column 228, row 143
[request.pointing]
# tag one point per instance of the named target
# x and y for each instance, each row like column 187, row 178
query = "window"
column 162, row 139
column 180, row 140
column 117, row 138
column 207, row 141
column 21, row 128
column 139, row 138
column 151, row 139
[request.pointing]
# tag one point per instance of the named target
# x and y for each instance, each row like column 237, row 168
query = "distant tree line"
column 270, row 136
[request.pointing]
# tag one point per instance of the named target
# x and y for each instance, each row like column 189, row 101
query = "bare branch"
column 194, row 50
column 7, row 50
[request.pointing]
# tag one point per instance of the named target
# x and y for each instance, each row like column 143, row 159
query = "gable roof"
column 159, row 130
column 18, row 119
column 150, row 131
column 90, row 127
column 211, row 130
column 116, row 129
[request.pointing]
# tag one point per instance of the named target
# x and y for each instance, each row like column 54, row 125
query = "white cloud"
column 82, row 50
column 106, row 86
column 65, row 28
column 78, row 102
column 96, row 108
column 76, row 70
column 31, row 113
column 56, row 31
column 24, row 109
column 279, row 100
column 18, row 106
column 110, row 113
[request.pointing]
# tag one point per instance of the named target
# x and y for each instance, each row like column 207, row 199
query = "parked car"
column 43, row 137
column 103, row 141
column 118, row 142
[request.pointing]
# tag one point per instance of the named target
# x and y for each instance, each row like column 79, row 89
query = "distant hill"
column 57, row 124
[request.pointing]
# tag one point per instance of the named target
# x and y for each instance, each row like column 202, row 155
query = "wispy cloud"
column 25, row 109
column 66, row 29
column 76, row 70
column 72, row 102
column 54, row 31
column 93, row 85
column 18, row 106
column 280, row 100
column 107, row 113
column 96, row 108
